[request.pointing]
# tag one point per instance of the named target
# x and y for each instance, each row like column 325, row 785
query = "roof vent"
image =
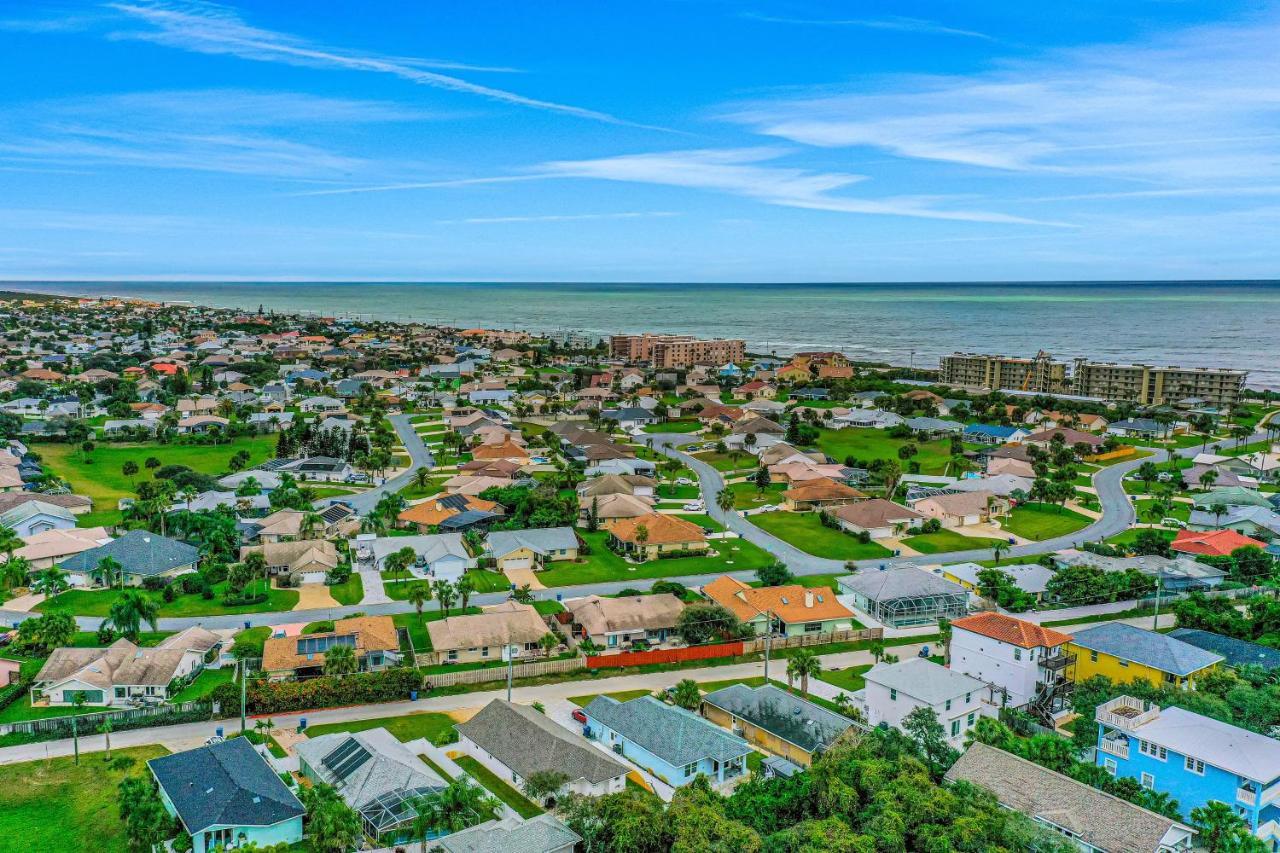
column 257, row 799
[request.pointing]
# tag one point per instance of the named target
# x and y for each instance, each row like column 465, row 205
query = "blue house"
column 671, row 743
column 993, row 434
column 226, row 794
column 1194, row 759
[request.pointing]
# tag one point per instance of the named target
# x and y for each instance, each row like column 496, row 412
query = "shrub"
column 276, row 697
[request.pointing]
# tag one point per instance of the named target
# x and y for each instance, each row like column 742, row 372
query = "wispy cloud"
column 214, row 29
column 564, row 217
column 1201, row 105
column 744, row 172
column 892, row 22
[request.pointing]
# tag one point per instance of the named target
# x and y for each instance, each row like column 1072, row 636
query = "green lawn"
column 945, row 541
column 866, row 445
column 21, row 710
column 747, row 496
column 484, row 580
column 55, row 806
column 1127, row 538
column 849, row 678
column 101, row 478
column 417, row 628
column 97, row 602
column 1037, row 522
column 681, row 493
column 435, row 727
column 204, row 684
column 621, row 696
column 604, row 565
column 805, row 531
column 349, row 592
column 521, row 804
column 675, row 426
column 728, row 461
column 1177, row 510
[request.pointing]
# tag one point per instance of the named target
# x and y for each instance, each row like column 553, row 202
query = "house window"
column 972, row 716
column 893, row 695
column 453, row 654
column 120, row 692
column 1017, row 654
column 484, row 653
column 690, row 769
column 947, row 706
column 812, row 627
column 1194, row 765
column 1148, row 781
column 1124, row 663
column 1170, row 678
column 955, row 728
column 968, row 697
column 1093, row 657
column 1109, row 765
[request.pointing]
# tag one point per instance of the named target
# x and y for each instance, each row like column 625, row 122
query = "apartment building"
column 1041, row 374
column 667, row 351
column 1157, row 386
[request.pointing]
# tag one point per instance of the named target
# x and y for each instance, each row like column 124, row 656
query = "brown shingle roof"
column 372, row 633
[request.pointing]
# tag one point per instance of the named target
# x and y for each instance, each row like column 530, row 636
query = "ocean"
column 1191, row 324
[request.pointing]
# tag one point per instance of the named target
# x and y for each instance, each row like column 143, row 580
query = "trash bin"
column 302, row 724
column 246, row 624
column 413, row 696
column 218, row 731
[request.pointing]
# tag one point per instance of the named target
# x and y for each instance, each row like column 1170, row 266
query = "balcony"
column 1126, row 713
column 1057, row 663
column 1247, row 795
column 1116, row 747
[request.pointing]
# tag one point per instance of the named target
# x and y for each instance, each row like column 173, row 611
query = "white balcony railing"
column 1248, row 796
column 1125, row 712
column 1118, row 748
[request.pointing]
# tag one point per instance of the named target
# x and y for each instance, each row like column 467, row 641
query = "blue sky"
column 671, row 140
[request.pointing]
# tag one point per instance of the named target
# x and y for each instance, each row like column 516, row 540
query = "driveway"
column 314, row 595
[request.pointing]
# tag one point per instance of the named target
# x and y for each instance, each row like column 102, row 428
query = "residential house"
column 1095, row 821
column 33, row 517
column 877, row 517
column 673, row 744
column 322, row 405
column 431, row 514
column 1194, row 759
column 617, row 484
column 611, row 508
column 630, row 418
column 140, row 553
column 776, row 721
column 123, row 674
column 532, row 548
column 1179, row 574
column 202, row 423
column 1070, row 437
column 867, row 419
column 894, row 690
column 287, row 525
column 1031, row 578
column 655, row 535
column 518, row 741
column 1127, row 653
column 1212, row 543
column 1251, row 521
column 544, row 833
column 296, row 562
column 1136, row 428
column 1236, row 653
column 791, row 610
column 961, row 509
column 51, row 547
column 482, row 636
column 819, row 493
column 993, row 434
column 1029, row 664
column 439, row 556
column 614, row 624
column 324, row 469
column 933, row 426
column 906, row 596
column 226, row 795
column 374, row 640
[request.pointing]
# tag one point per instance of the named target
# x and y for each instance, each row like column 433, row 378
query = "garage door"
column 522, row 563
column 313, row 577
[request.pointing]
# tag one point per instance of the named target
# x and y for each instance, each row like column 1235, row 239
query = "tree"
column 105, row 730
column 803, row 664
column 1148, row 473
column 109, row 572
column 877, row 649
column 999, row 548
column 702, row 623
column 548, row 641
column 775, row 574
column 419, row 595
column 340, row 660
column 332, row 825
column 147, row 824
column 761, row 479
column 10, row 541
column 724, row 500
column 687, row 695
column 462, row 804
column 129, row 469
column 1223, row 831
column 445, row 594
column 641, row 537
column 130, row 610
column 50, row 582
column 465, row 586
column 542, row 785
column 923, row 727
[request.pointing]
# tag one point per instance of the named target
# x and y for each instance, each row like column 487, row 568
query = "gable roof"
column 1098, row 819
column 792, row 603
column 1236, row 652
column 673, row 734
column 1007, row 629
column 140, row 552
column 599, row 615
column 1158, row 651
column 496, row 625
column 798, row 721
column 924, row 680
column 528, row 741
column 540, row 540
column 227, row 783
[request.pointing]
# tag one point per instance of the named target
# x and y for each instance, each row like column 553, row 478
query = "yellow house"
column 1125, row 653
column 776, row 721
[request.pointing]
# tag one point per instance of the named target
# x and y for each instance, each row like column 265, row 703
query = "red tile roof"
column 1006, row 629
column 1218, row 543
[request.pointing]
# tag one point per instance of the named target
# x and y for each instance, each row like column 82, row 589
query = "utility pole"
column 510, row 665
column 1155, row 624
column 240, row 663
column 768, row 642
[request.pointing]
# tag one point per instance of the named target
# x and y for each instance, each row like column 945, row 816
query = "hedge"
column 278, row 697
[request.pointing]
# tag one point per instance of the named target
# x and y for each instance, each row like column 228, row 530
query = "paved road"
column 419, row 457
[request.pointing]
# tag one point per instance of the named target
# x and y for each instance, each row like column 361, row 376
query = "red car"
column 580, row 716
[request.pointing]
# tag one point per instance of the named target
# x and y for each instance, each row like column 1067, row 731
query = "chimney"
column 808, row 598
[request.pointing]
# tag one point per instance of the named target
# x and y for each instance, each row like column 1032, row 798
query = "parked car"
column 694, row 506
column 579, row 715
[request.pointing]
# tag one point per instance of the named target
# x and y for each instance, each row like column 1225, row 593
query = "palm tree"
column 14, row 571
column 1218, row 510
column 1207, row 478
column 109, row 571
column 419, row 595
column 687, row 695
column 803, row 664
column 340, row 660
column 50, row 582
column 464, row 586
column 463, row 804
column 130, row 610
column 724, row 500
column 999, row 548
column 10, row 541
column 311, row 522
column 105, row 730
column 548, row 642
column 445, row 594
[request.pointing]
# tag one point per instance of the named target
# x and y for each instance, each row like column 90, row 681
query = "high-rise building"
column 676, row 350
column 1041, row 374
column 1157, row 386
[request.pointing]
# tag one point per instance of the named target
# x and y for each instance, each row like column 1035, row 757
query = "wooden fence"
column 499, row 673
column 815, row 639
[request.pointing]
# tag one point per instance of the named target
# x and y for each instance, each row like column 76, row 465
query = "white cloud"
column 213, row 29
column 893, row 22
column 562, row 217
column 1199, row 105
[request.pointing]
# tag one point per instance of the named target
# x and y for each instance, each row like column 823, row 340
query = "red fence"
column 719, row 650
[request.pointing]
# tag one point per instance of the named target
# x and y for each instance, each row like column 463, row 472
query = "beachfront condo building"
column 1041, row 375
column 676, row 350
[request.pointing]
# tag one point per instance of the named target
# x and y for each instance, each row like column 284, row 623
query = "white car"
column 683, row 481
column 768, row 508
column 694, row 506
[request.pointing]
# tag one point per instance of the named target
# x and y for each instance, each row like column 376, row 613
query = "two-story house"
column 1027, row 662
column 894, row 690
column 1127, row 653
column 1194, row 759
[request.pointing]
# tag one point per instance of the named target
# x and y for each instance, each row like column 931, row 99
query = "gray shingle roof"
column 540, row 834
column 924, row 680
column 528, row 741
column 1236, row 652
column 673, row 734
column 1102, row 820
column 899, row 583
column 1159, row 651
column 795, row 720
column 228, row 783
column 140, row 552
column 540, row 540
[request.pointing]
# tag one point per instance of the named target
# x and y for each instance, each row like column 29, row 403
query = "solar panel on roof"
column 320, row 645
column 454, row 501
column 346, row 759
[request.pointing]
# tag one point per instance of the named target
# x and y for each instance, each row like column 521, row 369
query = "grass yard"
column 1177, row 510
column 21, row 710
column 621, row 696
column 1126, row 539
column 945, row 541
column 866, row 445
column 204, row 684
column 603, row 565
column 521, row 804
column 747, row 496
column 350, row 591
column 723, row 462
column 681, row 493
column 1037, row 522
column 435, row 727
column 805, row 531
column 97, row 602
column 850, row 678
column 417, row 628
column 484, row 580
column 675, row 426
column 56, row 806
column 101, row 479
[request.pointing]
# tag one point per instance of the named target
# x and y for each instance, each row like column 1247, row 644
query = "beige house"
column 962, row 508
column 301, row 561
column 878, row 518
column 818, row 494
column 649, row 537
column 287, row 525
column 374, row 640
column 531, row 549
column 480, row 637
column 50, row 547
column 610, row 509
column 615, row 623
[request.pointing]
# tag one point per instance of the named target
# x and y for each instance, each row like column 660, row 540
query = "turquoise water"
column 1220, row 324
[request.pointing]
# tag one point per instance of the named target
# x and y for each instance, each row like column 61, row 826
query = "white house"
column 441, row 556
column 894, row 690
column 1023, row 659
column 32, row 517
